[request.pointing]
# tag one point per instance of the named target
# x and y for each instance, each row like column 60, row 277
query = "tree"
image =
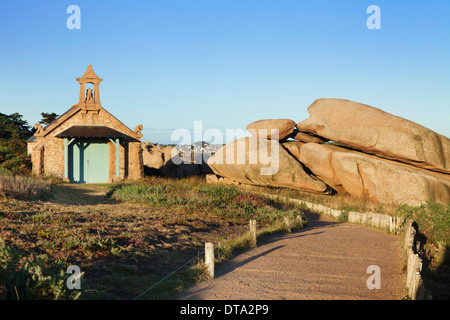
column 48, row 118
column 13, row 125
column 13, row 148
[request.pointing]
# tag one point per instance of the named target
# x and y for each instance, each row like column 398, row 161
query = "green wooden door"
column 88, row 162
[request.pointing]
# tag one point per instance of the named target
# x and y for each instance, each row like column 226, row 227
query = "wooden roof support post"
column 116, row 143
column 66, row 159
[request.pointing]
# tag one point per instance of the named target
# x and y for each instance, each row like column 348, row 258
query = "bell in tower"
column 89, row 99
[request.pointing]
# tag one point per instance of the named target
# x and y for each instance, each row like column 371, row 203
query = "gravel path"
column 325, row 260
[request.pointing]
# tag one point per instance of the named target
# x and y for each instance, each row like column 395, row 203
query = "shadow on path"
column 79, row 195
column 266, row 246
column 230, row 266
column 315, row 221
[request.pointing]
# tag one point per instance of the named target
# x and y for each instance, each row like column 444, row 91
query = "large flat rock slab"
column 378, row 179
column 277, row 129
column 265, row 163
column 374, row 131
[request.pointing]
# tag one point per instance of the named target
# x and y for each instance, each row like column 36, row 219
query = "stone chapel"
column 87, row 144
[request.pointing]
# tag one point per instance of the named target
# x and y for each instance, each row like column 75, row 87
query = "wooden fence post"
column 252, row 226
column 287, row 222
column 209, row 258
column 299, row 220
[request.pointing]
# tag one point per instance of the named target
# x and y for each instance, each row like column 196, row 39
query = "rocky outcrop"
column 277, row 129
column 212, row 178
column 263, row 162
column 165, row 161
column 374, row 131
column 368, row 176
column 344, row 147
column 307, row 137
column 293, row 148
column 156, row 156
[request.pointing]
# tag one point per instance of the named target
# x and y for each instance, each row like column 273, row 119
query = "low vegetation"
column 126, row 241
column 23, row 186
column 226, row 202
column 433, row 225
column 433, row 220
column 339, row 202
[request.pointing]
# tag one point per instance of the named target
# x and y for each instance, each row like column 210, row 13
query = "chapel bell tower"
column 89, row 99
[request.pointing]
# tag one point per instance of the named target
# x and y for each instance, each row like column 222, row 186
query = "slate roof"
column 84, row 131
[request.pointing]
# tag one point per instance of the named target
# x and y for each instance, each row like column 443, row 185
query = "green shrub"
column 5, row 267
column 35, row 278
column 433, row 220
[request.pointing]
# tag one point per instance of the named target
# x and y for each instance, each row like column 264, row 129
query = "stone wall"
column 48, row 157
column 54, row 156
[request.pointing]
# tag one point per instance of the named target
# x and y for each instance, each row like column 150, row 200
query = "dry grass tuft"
column 23, row 186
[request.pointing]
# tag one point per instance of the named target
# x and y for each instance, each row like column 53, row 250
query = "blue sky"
column 166, row 64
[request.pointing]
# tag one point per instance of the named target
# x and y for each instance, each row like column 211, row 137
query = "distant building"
column 196, row 147
column 87, row 144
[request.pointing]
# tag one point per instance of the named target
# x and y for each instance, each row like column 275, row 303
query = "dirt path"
column 79, row 195
column 325, row 260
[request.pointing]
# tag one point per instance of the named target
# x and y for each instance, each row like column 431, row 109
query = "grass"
column 141, row 231
column 433, row 220
column 126, row 241
column 23, row 186
column 433, row 225
column 339, row 202
column 193, row 194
